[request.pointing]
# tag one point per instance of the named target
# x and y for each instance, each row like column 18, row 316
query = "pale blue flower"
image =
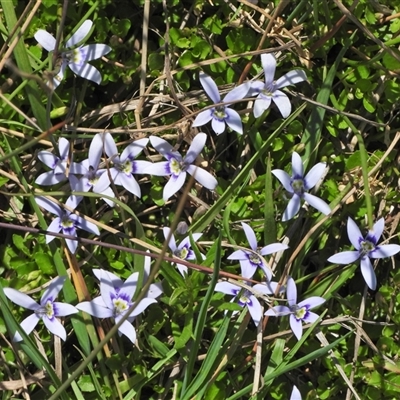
column 298, row 312
column 116, row 297
column 366, row 248
column 221, row 114
column 296, row 395
column 298, row 185
column 269, row 90
column 177, row 166
column 247, row 298
column 66, row 221
column 48, row 310
column 76, row 58
column 250, row 260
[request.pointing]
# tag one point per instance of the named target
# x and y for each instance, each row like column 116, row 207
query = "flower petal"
column 172, row 242
column 354, row 234
column 55, row 327
column 310, row 317
column 255, row 88
column 50, row 178
column 292, row 208
column 312, row 302
column 53, row 227
column 72, row 245
column 53, row 289
column 345, row 257
column 92, row 308
column 162, row 146
column 255, row 309
column 227, row 288
column 48, row 205
column 64, row 309
column 248, row 269
column 28, row 325
column 87, row 225
column 203, row 177
column 237, row 93
column 291, row 291
column 261, row 103
column 250, row 235
column 95, row 51
column 278, row 311
column 314, row 175
column 273, row 248
column 128, row 330
column 296, row 395
column 296, row 326
column 134, row 149
column 210, row 87
column 377, row 229
column 385, row 250
column 368, row 272
column 218, row 126
column 159, row 169
column 297, row 166
column 109, row 145
column 283, row 178
column 317, row 203
column 290, row 78
column 80, row 34
column 282, row 102
column 203, row 118
column 238, row 255
column 263, row 288
column 45, row 39
column 21, row 299
column 195, row 148
column 173, row 185
column 142, row 305
column 95, row 151
column 130, row 184
column 130, row 285
column 268, row 62
column 86, row 71
column 48, row 159
column 233, row 120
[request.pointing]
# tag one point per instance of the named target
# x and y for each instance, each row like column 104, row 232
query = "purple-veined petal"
column 233, row 120
column 140, row 166
column 203, row 118
column 377, row 229
column 50, row 178
column 290, row 78
column 296, row 395
column 292, row 208
column 63, row 148
column 291, row 291
column 55, row 327
column 210, row 87
column 48, row 205
column 255, row 88
column 79, row 168
column 130, row 184
column 116, row 282
column 127, row 329
column 195, row 148
column 95, row 309
column 64, row 309
column 317, row 203
column 21, row 299
column 227, row 288
column 87, row 225
column 282, row 102
column 134, row 149
column 238, row 255
column 203, row 177
column 129, row 286
column 345, row 257
column 314, row 175
column 53, row 289
column 250, row 235
column 53, row 227
column 158, row 169
column 268, row 62
column 142, row 305
column 297, row 166
column 237, row 93
column 368, row 272
column 162, row 146
column 247, row 269
column 95, row 151
column 186, row 241
column 109, row 145
column 173, row 185
column 283, row 178
column 95, row 51
column 59, row 77
column 48, row 158
column 73, row 201
column 86, row 71
column 72, row 245
column 384, row 250
column 354, row 233
column 218, row 126
column 273, row 248
column 261, row 103
column 312, row 302
column 310, row 317
column 296, row 326
column 45, row 39
column 278, row 311
column 255, row 309
column 28, row 325
column 80, row 34
column 172, row 242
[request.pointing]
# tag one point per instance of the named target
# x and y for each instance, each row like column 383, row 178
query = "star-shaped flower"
column 298, row 312
column 366, row 248
column 269, row 90
column 115, row 300
column 76, row 58
column 250, row 260
column 183, row 250
column 298, row 184
column 48, row 310
column 221, row 114
column 247, row 298
column 124, row 165
column 177, row 166
column 66, row 221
